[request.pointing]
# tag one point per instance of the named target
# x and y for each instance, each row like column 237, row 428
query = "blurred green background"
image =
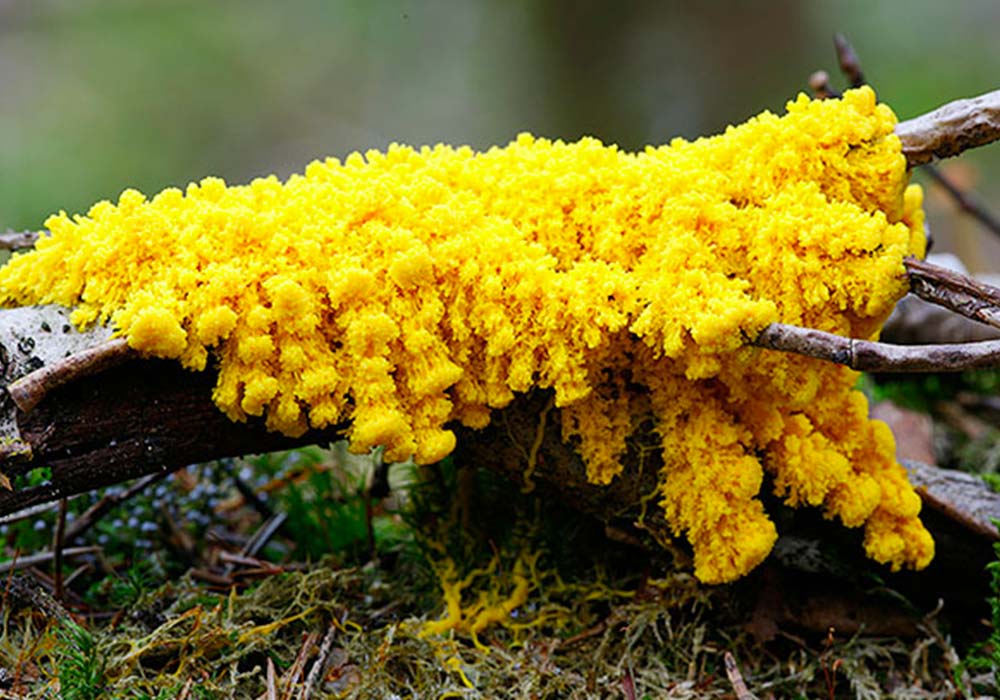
column 99, row 95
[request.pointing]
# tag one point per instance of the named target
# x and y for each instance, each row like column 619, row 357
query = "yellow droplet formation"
column 399, row 291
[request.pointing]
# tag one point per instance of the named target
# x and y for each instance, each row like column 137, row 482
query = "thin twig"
column 868, row 356
column 212, row 578
column 736, row 678
column 375, row 492
column 850, row 66
column 243, row 560
column 43, row 557
column 29, row 390
column 84, row 568
column 272, row 681
column 18, row 240
column 9, row 582
column 954, row 291
column 264, row 534
column 255, row 544
column 26, row 513
column 298, row 665
column 247, row 492
column 319, row 665
column 819, row 83
column 57, row 550
column 97, row 511
column 965, row 201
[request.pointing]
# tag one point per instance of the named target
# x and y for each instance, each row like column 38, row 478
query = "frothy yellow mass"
column 404, row 290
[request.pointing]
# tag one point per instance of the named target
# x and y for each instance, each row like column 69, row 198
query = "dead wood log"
column 111, row 422
column 147, row 416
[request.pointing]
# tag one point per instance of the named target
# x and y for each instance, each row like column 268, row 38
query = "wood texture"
column 951, row 129
column 135, row 419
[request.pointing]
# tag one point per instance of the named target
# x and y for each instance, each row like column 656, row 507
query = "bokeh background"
column 100, row 95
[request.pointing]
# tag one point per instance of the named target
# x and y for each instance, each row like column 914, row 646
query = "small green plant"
column 134, row 583
column 992, row 480
column 328, row 511
column 921, row 392
column 79, row 664
column 985, row 656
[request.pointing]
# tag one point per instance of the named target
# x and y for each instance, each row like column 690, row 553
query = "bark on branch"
column 28, row 391
column 938, row 285
column 954, row 291
column 951, row 129
column 138, row 418
column 867, row 356
column 17, row 240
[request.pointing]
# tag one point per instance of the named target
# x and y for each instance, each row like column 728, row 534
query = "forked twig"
column 938, row 285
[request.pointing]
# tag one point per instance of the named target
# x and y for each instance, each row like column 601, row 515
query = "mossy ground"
column 164, row 610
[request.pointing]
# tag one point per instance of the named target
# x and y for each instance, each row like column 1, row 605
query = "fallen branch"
column 139, row 418
column 150, row 416
column 144, row 417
